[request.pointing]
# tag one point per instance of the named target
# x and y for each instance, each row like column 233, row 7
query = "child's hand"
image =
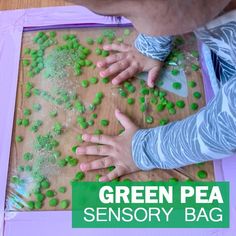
column 127, row 63
column 114, row 151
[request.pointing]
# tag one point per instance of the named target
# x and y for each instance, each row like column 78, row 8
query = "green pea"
column 50, row 193
column 19, row 122
column 52, row 34
column 79, row 176
column 162, row 94
column 57, row 128
column 27, row 112
column 36, row 91
column 45, row 184
column 111, row 168
column 74, row 148
column 202, row 174
column 27, row 51
column 194, row 67
column 90, row 41
column 143, row 108
column 27, row 94
column 88, row 63
column 154, row 100
column 79, row 138
column 93, row 80
column 97, row 177
column 83, row 125
column 31, row 205
column 173, row 180
column 28, row 86
column 120, row 40
column 94, row 116
column 130, row 101
column 54, row 202
column 98, row 132
column 64, row 204
column 84, row 83
column 175, row 72
column 141, row 100
column 197, row 95
column 172, row 111
column 26, row 62
column 121, row 131
column 127, row 32
column 192, row 84
column 19, row 139
column 20, row 168
column 160, row 107
column 193, row 106
column 90, row 122
column 53, row 113
column 188, row 181
column 180, row 104
column 98, row 51
column 177, row 85
column 28, row 168
column 36, row 107
column 80, row 119
column 66, row 37
column 164, row 121
column 195, row 53
column 144, row 91
column 105, row 80
column 25, row 122
column 99, row 40
column 99, row 95
column 105, row 53
column 131, row 88
column 104, row 122
column 28, row 156
column 170, row 105
column 127, row 180
column 73, row 162
column 40, row 197
column 200, row 164
column 149, row 119
column 62, row 163
column 62, row 189
column 122, row 93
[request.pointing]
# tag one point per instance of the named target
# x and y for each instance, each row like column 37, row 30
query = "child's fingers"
column 115, row 68
column 152, row 76
column 124, row 75
column 99, row 139
column 117, row 47
column 97, row 164
column 98, row 150
column 111, row 59
column 123, row 119
column 117, row 172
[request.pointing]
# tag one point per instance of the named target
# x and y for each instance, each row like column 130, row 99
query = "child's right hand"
column 127, row 63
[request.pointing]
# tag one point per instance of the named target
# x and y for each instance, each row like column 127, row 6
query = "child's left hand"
column 114, row 151
column 128, row 62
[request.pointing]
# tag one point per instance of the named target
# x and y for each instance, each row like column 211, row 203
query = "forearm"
column 209, row 134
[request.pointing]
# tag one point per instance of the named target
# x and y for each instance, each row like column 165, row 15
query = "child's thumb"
column 124, row 120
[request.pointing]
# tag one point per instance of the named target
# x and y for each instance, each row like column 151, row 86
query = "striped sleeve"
column 207, row 135
column 158, row 47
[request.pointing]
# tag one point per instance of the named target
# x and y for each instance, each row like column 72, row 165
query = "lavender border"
column 12, row 24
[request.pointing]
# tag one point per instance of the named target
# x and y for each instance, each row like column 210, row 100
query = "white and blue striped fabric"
column 209, row 134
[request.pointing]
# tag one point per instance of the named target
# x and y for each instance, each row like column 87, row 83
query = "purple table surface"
column 12, row 25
